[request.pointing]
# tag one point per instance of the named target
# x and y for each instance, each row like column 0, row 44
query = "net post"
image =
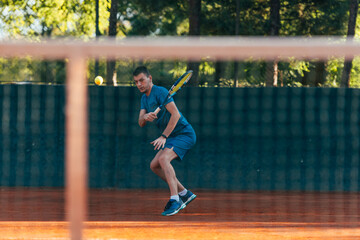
column 76, row 145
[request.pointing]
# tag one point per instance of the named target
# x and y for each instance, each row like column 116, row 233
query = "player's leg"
column 185, row 195
column 156, row 168
column 164, row 159
column 175, row 147
column 181, row 144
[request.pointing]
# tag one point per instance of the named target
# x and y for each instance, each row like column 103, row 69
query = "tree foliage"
column 71, row 18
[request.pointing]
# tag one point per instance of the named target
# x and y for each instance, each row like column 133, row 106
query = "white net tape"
column 190, row 48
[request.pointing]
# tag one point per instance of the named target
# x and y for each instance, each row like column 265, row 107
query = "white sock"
column 175, row 197
column 183, row 192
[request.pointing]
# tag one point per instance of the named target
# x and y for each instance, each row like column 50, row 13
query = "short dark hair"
column 141, row 69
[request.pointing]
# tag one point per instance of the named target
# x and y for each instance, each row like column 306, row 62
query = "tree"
column 110, row 66
column 49, row 18
column 154, row 18
column 194, row 30
column 313, row 18
column 237, row 22
column 345, row 78
column 272, row 80
column 157, row 18
column 97, row 33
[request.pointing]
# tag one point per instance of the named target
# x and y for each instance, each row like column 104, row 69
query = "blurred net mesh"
column 302, row 135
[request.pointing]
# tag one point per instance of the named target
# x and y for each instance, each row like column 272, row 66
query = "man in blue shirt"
column 177, row 137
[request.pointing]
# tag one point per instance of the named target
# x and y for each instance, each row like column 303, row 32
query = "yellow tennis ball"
column 99, row 80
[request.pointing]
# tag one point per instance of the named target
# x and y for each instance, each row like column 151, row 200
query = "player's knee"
column 154, row 165
column 163, row 160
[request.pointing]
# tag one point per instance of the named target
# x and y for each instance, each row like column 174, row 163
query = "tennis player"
column 177, row 137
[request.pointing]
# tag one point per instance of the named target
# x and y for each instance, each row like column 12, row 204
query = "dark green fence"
column 247, row 138
column 32, row 135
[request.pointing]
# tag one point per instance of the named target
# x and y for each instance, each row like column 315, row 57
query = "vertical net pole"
column 76, row 145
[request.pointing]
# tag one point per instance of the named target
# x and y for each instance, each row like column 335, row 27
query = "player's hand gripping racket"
column 177, row 86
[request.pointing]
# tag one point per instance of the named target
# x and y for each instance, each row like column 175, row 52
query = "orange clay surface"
column 33, row 213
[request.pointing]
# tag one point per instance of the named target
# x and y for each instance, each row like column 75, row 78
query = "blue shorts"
column 182, row 142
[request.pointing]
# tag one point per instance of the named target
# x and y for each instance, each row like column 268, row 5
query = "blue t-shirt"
column 154, row 100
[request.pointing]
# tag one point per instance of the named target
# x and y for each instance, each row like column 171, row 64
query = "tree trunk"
column 194, row 30
column 45, row 72
column 305, row 79
column 218, row 72
column 274, row 17
column 110, row 64
column 319, row 73
column 272, row 79
column 97, row 33
column 345, row 78
column 236, row 63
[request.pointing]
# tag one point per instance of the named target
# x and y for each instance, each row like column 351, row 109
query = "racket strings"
column 185, row 78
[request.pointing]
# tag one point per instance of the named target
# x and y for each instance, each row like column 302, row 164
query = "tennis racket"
column 176, row 87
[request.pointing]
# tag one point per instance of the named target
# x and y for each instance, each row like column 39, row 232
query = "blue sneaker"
column 172, row 207
column 189, row 196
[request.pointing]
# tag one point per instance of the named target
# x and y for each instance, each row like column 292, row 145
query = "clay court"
column 33, row 213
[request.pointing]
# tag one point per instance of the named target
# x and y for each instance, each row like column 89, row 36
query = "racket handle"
column 157, row 110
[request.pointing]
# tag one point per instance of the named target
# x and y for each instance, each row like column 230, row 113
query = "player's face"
column 143, row 83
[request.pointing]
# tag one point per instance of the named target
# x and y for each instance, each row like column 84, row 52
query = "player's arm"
column 146, row 117
column 175, row 116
